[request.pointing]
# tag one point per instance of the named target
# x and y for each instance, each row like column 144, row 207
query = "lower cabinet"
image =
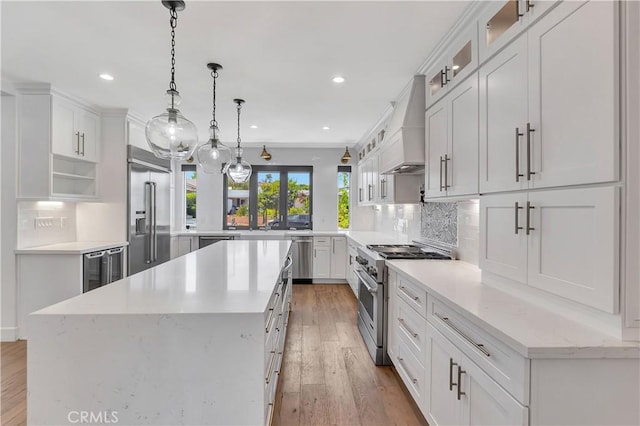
column 330, row 258
column 352, row 278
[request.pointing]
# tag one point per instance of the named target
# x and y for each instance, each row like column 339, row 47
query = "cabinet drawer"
column 412, row 330
column 504, row 365
column 322, row 241
column 411, row 371
column 414, row 294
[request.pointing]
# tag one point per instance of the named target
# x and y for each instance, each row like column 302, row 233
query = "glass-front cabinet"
column 460, row 59
column 503, row 20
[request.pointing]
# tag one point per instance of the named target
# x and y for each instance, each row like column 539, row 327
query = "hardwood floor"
column 13, row 372
column 327, row 375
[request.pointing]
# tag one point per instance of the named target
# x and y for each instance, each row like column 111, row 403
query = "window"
column 344, row 200
column 276, row 197
column 190, row 190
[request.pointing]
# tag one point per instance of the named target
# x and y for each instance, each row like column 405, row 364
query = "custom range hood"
column 404, row 151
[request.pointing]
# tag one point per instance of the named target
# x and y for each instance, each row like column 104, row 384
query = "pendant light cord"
column 239, row 108
column 173, row 21
column 214, row 74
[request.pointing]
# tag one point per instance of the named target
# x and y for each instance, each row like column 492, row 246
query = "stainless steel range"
column 372, row 291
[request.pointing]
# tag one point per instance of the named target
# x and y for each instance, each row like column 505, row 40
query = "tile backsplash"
column 45, row 222
column 439, row 222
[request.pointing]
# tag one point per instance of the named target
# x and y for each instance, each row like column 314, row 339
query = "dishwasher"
column 302, row 259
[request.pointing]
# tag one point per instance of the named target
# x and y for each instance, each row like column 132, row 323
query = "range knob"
column 372, row 271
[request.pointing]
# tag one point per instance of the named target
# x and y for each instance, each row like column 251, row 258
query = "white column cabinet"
column 564, row 242
column 543, row 122
column 74, row 130
column 503, row 117
column 339, row 255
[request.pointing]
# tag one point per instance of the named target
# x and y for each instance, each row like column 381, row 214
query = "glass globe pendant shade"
column 170, row 135
column 213, row 155
column 239, row 171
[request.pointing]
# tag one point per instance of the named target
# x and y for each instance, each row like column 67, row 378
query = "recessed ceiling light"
column 325, row 128
column 338, row 79
column 253, row 126
column 106, row 76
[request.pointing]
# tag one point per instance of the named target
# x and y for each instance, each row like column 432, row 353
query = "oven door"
column 370, row 305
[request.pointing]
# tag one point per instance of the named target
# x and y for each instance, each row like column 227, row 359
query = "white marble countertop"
column 531, row 330
column 75, row 247
column 258, row 233
column 228, row 277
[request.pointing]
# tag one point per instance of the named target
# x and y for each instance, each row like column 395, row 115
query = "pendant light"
column 213, row 155
column 346, row 157
column 170, row 134
column 266, row 155
column 240, row 170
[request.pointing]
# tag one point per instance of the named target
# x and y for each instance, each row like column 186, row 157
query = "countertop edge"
column 57, row 249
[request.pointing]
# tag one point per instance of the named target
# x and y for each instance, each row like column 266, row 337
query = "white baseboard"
column 8, row 334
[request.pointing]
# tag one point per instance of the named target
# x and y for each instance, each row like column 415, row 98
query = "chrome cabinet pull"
column 369, row 192
column 518, row 207
column 404, row 290
column 269, row 320
column 451, row 364
column 529, row 131
column 518, row 174
column 82, row 136
column 271, row 365
column 442, row 82
column 529, row 5
column 460, row 373
column 446, row 74
column 441, row 186
column 77, row 143
column 478, row 346
column 446, row 172
column 359, row 194
column 518, row 14
column 404, row 367
column 529, row 208
column 406, row 327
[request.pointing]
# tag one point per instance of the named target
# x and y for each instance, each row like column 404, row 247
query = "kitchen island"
column 196, row 340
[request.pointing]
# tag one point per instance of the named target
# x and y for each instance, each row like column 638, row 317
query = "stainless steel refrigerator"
column 149, row 210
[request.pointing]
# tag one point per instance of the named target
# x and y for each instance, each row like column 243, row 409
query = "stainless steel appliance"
column 302, row 253
column 371, row 272
column 212, row 239
column 102, row 267
column 149, row 210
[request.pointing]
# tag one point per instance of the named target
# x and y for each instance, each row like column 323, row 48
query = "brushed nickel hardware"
column 271, row 365
column 82, row 136
column 404, row 290
column 460, row 373
column 401, row 361
column 446, row 171
column 333, row 250
column 451, row 364
column 478, row 346
column 77, row 143
column 441, row 160
column 529, row 208
column 529, row 131
column 269, row 320
column 359, row 194
column 518, row 14
column 518, row 174
column 518, row 207
column 406, row 327
column 529, row 5
column 446, row 74
column 369, row 192
column 442, row 83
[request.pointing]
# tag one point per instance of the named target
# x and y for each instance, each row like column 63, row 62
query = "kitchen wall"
column 45, row 222
column 325, row 162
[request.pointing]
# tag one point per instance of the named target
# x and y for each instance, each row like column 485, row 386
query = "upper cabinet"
column 74, row 130
column 460, row 59
column 543, row 121
column 503, row 20
column 58, row 147
column 452, row 143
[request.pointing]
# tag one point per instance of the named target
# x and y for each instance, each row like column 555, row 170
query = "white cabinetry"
column 183, row 244
column 564, row 242
column 542, row 121
column 452, row 143
column 352, row 278
column 58, row 147
column 460, row 59
column 74, row 130
column 368, row 186
column 330, row 258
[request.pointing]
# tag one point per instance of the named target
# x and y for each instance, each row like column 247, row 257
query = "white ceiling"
column 279, row 56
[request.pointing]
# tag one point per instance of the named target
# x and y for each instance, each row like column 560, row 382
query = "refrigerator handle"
column 109, row 269
column 149, row 223
column 155, row 224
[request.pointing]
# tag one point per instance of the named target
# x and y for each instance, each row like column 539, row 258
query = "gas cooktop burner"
column 405, row 251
